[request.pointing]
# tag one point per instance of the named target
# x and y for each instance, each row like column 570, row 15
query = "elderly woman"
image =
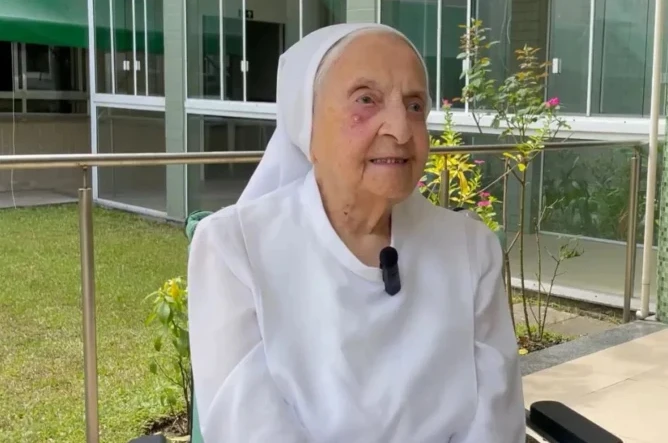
column 295, row 334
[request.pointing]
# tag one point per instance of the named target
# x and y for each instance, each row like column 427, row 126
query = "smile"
column 389, row 161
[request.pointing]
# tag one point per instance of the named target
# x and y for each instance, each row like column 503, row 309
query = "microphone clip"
column 389, row 265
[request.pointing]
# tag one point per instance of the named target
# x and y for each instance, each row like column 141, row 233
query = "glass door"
column 569, row 53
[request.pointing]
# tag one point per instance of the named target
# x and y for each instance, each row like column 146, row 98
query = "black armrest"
column 150, row 439
column 557, row 423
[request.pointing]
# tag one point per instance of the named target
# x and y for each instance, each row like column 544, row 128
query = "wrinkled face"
column 369, row 122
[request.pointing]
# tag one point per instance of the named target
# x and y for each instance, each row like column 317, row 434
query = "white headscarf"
column 286, row 157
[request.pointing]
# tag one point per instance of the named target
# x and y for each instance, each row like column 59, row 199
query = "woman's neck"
column 362, row 222
column 359, row 217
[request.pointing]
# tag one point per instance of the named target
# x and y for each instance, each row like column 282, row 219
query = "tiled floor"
column 624, row 389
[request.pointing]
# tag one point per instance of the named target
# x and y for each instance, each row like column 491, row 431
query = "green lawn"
column 41, row 367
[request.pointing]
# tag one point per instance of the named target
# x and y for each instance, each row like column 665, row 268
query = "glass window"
column 43, row 79
column 129, row 131
column 130, row 60
column 453, row 17
column 417, row 19
column 154, row 41
column 623, row 31
column 266, row 31
column 53, row 68
column 211, row 187
column 216, row 65
column 569, row 53
column 320, row 13
column 496, row 16
column 103, row 44
column 7, row 71
column 44, row 136
column 123, row 45
column 57, row 106
column 10, row 106
column 588, row 189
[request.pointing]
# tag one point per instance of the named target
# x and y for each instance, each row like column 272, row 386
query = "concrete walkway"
column 564, row 322
column 623, row 388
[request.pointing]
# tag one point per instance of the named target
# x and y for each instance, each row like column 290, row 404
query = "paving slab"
column 579, row 326
column 622, row 387
column 553, row 315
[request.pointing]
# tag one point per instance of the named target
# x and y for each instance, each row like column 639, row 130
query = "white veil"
column 286, row 157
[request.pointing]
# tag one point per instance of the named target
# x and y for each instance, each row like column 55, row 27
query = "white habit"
column 294, row 340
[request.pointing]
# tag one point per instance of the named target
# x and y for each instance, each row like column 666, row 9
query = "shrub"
column 172, row 362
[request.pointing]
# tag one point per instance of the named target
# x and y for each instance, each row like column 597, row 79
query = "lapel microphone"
column 389, row 265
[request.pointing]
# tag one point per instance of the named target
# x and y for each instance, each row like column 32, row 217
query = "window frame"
column 21, row 92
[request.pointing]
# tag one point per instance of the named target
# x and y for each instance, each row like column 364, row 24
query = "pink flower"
column 421, row 184
column 551, row 103
column 484, row 203
column 479, row 162
column 484, row 194
column 446, row 103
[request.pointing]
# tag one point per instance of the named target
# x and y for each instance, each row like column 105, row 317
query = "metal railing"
column 85, row 200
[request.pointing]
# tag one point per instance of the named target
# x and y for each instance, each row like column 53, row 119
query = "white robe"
column 295, row 340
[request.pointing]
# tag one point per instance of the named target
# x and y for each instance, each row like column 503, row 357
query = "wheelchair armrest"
column 150, row 439
column 557, row 423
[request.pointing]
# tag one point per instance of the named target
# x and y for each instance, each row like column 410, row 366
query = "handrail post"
column 444, row 189
column 632, row 228
column 88, row 299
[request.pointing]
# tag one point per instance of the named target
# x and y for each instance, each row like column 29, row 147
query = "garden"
column 41, row 364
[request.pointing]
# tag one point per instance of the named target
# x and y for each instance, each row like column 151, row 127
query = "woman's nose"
column 396, row 124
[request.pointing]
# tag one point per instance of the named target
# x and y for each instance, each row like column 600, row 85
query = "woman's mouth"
column 389, row 161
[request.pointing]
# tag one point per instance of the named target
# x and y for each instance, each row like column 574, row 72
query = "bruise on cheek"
column 354, row 124
column 359, row 117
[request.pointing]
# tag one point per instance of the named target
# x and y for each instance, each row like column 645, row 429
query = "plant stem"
column 475, row 118
column 541, row 326
column 549, row 293
column 506, row 252
column 521, row 231
column 186, row 388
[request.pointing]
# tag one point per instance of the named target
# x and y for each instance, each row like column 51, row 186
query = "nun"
column 298, row 332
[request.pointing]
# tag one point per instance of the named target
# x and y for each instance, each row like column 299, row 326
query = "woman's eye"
column 365, row 100
column 415, row 107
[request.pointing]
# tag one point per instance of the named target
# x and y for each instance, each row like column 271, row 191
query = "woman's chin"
column 392, row 182
column 396, row 192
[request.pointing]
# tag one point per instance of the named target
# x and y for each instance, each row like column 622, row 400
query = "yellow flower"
column 173, row 289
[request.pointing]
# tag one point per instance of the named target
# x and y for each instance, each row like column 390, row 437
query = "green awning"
column 46, row 22
column 65, row 23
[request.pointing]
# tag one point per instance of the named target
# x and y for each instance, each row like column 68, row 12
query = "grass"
column 41, row 356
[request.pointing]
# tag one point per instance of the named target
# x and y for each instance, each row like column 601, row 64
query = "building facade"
column 199, row 75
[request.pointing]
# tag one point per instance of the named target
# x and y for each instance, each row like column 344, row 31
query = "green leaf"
column 157, row 344
column 153, row 367
column 164, row 312
column 183, row 344
column 150, row 318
